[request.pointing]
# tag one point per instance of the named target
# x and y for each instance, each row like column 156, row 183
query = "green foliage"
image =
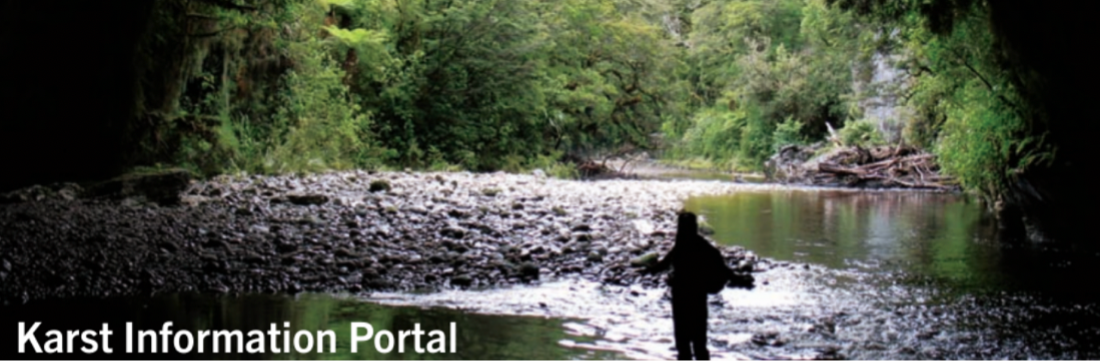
column 787, row 133
column 303, row 85
column 715, row 134
column 968, row 110
column 862, row 133
column 325, row 129
column 552, row 165
column 757, row 65
column 756, row 139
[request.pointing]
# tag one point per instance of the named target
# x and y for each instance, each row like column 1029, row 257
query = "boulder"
column 379, row 186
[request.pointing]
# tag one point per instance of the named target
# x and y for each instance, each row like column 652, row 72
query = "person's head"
column 687, row 224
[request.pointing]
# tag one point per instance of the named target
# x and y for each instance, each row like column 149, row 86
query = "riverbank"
column 347, row 232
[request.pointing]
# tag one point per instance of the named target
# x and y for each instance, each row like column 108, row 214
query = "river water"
column 861, row 275
column 918, row 275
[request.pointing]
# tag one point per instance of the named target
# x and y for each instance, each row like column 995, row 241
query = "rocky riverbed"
column 346, row 232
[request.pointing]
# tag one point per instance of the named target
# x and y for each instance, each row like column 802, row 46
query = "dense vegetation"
column 290, row 85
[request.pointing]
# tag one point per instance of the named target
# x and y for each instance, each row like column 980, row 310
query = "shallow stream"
column 860, row 275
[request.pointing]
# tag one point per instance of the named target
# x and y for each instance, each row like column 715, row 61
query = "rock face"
column 161, row 187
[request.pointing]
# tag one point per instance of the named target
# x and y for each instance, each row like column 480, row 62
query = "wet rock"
column 418, row 209
column 529, row 270
column 643, row 226
column 311, row 220
column 344, row 252
column 874, row 346
column 927, row 334
column 936, row 354
column 307, row 199
column 744, row 266
column 454, row 232
column 490, row 192
column 646, row 260
column 255, row 259
column 765, row 338
column 595, row 256
column 379, row 185
column 285, row 246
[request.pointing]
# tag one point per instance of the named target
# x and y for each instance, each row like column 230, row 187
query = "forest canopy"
column 278, row 86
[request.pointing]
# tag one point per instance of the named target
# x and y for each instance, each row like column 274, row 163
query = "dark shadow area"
column 68, row 84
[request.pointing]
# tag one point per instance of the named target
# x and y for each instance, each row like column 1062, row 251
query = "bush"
column 756, row 140
column 861, row 133
column 787, row 133
column 982, row 144
column 715, row 134
column 553, row 166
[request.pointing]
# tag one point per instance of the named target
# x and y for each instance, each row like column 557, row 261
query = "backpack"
column 717, row 273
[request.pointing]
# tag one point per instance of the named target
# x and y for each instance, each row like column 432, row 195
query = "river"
column 851, row 274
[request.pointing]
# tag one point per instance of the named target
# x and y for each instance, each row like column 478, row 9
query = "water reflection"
column 478, row 336
column 946, row 238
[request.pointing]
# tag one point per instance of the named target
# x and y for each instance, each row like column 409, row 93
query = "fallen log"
column 837, row 169
column 896, row 166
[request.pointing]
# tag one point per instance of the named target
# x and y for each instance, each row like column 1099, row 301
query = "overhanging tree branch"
column 986, row 82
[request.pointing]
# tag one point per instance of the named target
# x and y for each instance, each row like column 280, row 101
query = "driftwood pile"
column 608, row 166
column 857, row 167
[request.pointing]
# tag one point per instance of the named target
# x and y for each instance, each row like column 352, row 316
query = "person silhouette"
column 697, row 266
